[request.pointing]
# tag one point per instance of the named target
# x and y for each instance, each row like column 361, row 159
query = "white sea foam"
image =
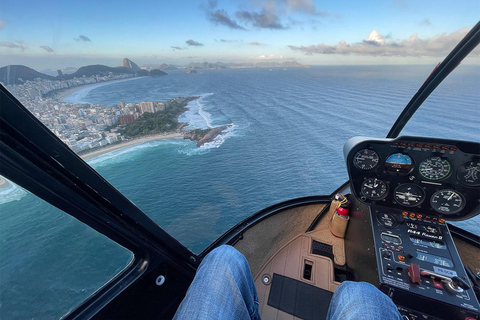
column 127, row 153
column 196, row 116
column 11, row 192
column 216, row 143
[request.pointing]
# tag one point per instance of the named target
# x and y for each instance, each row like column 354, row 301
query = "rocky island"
column 203, row 136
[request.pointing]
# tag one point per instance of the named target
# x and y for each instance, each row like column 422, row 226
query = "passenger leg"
column 361, row 301
column 223, row 288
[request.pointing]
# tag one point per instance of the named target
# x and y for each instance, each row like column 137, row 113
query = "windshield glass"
column 203, row 114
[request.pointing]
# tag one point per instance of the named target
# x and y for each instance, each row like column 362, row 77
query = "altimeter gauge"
column 409, row 195
column 447, row 201
column 374, row 189
column 469, row 173
column 434, row 168
column 366, row 159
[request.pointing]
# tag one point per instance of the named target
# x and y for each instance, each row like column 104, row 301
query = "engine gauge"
column 447, row 201
column 366, row 159
column 434, row 168
column 399, row 163
column 409, row 195
column 374, row 189
column 469, row 173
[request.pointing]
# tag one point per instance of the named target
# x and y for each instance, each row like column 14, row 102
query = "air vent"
column 322, row 249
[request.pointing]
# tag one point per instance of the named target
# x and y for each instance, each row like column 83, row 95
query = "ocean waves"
column 10, row 192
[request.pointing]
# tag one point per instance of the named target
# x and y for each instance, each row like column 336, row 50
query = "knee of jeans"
column 226, row 254
column 351, row 287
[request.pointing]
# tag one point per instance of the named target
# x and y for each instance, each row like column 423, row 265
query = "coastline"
column 121, row 145
column 62, row 94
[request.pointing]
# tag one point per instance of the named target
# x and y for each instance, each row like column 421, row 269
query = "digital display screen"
column 389, row 238
column 429, row 243
column 441, row 261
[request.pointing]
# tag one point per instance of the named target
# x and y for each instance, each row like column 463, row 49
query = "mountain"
column 54, row 72
column 206, row 65
column 100, row 70
column 127, row 63
column 157, row 73
column 17, row 74
column 165, row 66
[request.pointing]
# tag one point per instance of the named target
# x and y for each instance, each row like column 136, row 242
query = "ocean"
column 288, row 128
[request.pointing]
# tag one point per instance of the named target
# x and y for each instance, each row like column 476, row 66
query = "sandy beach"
column 66, row 92
column 132, row 142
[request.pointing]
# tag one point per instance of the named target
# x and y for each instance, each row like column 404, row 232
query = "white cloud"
column 19, row 44
column 270, row 57
column 377, row 45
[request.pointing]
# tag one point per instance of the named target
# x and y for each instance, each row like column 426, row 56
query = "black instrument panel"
column 436, row 177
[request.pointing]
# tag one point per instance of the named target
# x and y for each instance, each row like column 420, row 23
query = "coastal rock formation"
column 157, row 73
column 203, row 136
column 127, row 63
column 192, row 71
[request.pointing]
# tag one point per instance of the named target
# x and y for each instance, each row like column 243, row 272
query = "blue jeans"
column 223, row 288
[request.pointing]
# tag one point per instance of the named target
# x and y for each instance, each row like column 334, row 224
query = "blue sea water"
column 286, row 141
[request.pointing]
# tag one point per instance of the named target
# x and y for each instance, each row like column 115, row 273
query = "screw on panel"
column 160, row 280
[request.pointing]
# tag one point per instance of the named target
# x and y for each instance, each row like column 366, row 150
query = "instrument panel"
column 440, row 178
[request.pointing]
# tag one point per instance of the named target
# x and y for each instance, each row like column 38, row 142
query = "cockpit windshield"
column 203, row 114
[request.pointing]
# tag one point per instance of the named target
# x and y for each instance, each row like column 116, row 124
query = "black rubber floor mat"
column 299, row 298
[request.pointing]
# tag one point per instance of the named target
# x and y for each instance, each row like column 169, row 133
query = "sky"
column 59, row 34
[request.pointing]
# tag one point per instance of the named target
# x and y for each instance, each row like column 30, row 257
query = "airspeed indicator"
column 434, row 168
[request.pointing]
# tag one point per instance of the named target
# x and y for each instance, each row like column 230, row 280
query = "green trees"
column 161, row 121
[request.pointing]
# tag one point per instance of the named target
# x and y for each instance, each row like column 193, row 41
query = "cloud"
column 1, row 24
column 18, row 45
column 256, row 43
column 426, row 22
column 305, row 6
column 47, row 48
column 225, row 40
column 178, row 48
column 263, row 20
column 378, row 45
column 193, row 43
column 221, row 17
column 82, row 38
column 270, row 57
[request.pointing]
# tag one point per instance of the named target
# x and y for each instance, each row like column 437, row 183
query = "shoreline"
column 62, row 94
column 124, row 144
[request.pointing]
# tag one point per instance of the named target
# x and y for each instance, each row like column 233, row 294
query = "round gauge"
column 366, row 159
column 409, row 195
column 469, row 173
column 399, row 163
column 434, row 168
column 374, row 189
column 447, row 201
column 387, row 220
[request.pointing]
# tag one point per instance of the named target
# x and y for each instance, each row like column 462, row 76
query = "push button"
column 438, row 284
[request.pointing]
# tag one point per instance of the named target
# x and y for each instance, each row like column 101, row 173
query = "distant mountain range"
column 18, row 74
